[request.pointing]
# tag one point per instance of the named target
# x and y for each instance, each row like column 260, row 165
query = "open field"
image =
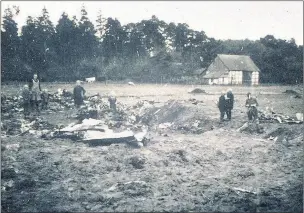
column 216, row 169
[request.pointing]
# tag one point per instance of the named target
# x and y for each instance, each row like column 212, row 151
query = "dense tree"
column 38, row 43
column 154, row 31
column 11, row 66
column 87, row 38
column 113, row 39
column 150, row 50
column 100, row 24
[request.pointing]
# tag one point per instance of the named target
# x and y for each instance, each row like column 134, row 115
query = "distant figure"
column 36, row 90
column 66, row 93
column 229, row 102
column 222, row 105
column 252, row 104
column 112, row 100
column 78, row 94
column 26, row 98
column 45, row 99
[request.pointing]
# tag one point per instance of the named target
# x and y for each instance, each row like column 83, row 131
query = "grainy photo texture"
column 165, row 106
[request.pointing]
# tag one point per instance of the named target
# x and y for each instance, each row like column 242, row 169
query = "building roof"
column 239, row 63
column 199, row 71
column 234, row 63
column 216, row 74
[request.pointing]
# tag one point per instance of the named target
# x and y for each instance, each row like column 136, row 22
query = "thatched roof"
column 239, row 62
column 199, row 71
column 232, row 63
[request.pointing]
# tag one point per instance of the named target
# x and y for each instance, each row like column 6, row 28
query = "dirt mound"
column 293, row 92
column 281, row 134
column 197, row 90
column 175, row 115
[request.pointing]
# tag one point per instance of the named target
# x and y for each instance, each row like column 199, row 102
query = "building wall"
column 255, row 78
column 235, row 77
column 224, row 80
column 230, row 77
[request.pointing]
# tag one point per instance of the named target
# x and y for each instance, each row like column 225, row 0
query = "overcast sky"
column 221, row 20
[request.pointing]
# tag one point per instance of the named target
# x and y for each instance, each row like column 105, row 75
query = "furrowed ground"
column 214, row 169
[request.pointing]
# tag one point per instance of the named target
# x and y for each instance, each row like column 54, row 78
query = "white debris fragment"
column 141, row 136
column 164, row 125
column 299, row 116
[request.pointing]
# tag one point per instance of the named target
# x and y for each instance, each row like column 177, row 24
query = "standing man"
column 230, row 102
column 222, row 105
column 252, row 104
column 112, row 100
column 36, row 90
column 78, row 94
column 26, row 99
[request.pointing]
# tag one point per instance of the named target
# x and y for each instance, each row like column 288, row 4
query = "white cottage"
column 232, row 69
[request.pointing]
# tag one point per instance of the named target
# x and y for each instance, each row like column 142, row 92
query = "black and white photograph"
column 152, row 106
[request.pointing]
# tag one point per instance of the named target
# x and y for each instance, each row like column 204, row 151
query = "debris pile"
column 251, row 127
column 270, row 116
column 95, row 132
column 98, row 124
column 10, row 104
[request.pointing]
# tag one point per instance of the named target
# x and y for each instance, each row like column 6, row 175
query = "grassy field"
column 218, row 169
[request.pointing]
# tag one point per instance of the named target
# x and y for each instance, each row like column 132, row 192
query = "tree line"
column 147, row 51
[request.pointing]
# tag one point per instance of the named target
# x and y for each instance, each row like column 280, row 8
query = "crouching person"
column 78, row 94
column 26, row 101
column 252, row 104
column 222, row 106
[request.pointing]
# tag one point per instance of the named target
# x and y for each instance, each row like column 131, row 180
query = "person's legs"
column 26, row 109
column 249, row 114
column 37, row 107
column 222, row 115
column 228, row 114
column 255, row 113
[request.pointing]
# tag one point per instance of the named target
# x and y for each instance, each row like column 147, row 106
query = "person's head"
column 223, row 92
column 45, row 90
column 249, row 95
column 25, row 86
column 229, row 90
column 78, row 82
column 35, row 76
column 112, row 93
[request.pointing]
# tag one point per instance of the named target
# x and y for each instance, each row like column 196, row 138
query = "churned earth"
column 197, row 164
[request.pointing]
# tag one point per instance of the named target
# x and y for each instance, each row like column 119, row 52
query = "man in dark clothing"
column 112, row 101
column 26, row 96
column 252, row 105
column 45, row 99
column 230, row 102
column 78, row 93
column 66, row 93
column 222, row 106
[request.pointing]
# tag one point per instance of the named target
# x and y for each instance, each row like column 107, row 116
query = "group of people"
column 226, row 103
column 35, row 99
